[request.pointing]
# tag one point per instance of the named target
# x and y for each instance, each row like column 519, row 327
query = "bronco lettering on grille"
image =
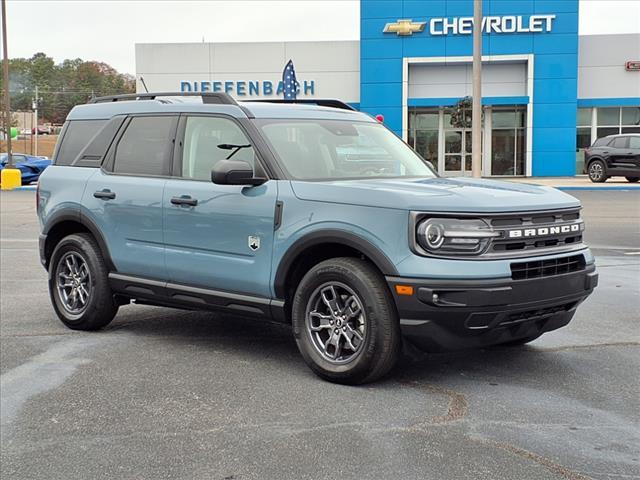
column 544, row 231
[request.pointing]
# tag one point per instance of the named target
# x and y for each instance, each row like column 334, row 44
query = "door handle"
column 105, row 194
column 184, row 200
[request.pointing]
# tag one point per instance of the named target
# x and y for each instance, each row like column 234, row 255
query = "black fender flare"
column 341, row 237
column 71, row 215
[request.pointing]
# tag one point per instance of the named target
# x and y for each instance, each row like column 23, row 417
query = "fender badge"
column 254, row 242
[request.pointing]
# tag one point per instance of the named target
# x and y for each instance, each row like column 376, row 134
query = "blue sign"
column 241, row 88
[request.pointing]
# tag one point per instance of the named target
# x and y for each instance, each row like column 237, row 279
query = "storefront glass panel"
column 508, row 141
column 426, row 144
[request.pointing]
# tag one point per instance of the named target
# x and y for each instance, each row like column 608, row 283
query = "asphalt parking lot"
column 163, row 393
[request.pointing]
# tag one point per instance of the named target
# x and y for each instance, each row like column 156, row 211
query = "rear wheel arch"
column 67, row 224
column 593, row 159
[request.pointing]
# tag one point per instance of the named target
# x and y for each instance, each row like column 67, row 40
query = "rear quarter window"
column 77, row 134
column 601, row 142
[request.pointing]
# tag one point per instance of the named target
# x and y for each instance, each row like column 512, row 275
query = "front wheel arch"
column 336, row 242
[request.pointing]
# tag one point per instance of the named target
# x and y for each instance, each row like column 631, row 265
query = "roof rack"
column 322, row 102
column 219, row 98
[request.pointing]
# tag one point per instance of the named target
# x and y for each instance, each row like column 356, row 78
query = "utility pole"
column 35, row 108
column 5, row 77
column 476, row 111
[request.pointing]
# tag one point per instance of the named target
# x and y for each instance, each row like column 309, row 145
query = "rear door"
column 124, row 198
column 618, row 154
column 634, row 152
column 218, row 237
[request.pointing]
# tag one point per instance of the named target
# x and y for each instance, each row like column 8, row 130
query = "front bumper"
column 452, row 315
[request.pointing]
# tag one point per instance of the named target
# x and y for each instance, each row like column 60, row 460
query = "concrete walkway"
column 579, row 182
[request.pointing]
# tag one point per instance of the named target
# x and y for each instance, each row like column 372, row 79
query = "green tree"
column 61, row 86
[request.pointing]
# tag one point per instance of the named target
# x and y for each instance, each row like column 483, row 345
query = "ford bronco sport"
column 311, row 214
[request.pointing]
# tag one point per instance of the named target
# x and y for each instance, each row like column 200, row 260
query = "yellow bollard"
column 10, row 178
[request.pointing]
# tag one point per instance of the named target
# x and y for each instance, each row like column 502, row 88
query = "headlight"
column 454, row 236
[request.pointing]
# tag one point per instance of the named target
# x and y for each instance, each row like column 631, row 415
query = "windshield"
column 338, row 149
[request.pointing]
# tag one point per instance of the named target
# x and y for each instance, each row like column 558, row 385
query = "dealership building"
column 547, row 92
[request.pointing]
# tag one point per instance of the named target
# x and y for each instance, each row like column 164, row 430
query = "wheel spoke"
column 82, row 294
column 352, row 308
column 330, row 298
column 83, row 271
column 351, row 334
column 324, row 321
column 69, row 263
column 338, row 346
column 74, row 299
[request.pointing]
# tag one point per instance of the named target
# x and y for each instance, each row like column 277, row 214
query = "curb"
column 621, row 188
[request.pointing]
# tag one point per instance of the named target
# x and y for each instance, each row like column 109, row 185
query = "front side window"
column 207, row 140
column 340, row 149
column 634, row 142
column 145, row 147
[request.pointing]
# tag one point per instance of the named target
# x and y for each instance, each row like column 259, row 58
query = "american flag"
column 289, row 81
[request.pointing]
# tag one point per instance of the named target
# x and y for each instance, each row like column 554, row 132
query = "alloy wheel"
column 336, row 322
column 73, row 281
column 595, row 171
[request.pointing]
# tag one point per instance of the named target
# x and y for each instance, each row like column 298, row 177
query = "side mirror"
column 234, row 172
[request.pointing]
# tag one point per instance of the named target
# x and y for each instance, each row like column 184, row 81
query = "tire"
column 632, row 179
column 597, row 171
column 367, row 317
column 99, row 307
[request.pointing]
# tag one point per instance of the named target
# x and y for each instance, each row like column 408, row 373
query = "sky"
column 107, row 30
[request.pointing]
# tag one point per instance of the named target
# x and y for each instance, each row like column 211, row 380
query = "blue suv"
column 311, row 214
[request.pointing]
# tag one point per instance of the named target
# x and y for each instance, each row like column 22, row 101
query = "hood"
column 468, row 195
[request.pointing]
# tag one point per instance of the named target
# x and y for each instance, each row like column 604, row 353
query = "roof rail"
column 322, row 102
column 207, row 97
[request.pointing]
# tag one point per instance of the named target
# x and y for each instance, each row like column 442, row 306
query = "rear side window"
column 620, row 142
column 145, row 147
column 634, row 142
column 77, row 135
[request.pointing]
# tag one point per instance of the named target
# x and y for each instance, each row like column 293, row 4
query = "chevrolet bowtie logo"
column 404, row 27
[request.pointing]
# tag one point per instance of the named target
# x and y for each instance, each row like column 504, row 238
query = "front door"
column 457, row 152
column 217, row 237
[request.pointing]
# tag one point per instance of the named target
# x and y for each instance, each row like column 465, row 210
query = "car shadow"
column 253, row 340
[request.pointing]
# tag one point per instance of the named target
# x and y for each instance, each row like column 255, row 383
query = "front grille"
column 505, row 245
column 547, row 268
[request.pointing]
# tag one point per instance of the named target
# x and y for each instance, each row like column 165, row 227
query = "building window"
column 508, row 141
column 583, row 136
column 630, row 119
column 615, row 120
column 423, row 134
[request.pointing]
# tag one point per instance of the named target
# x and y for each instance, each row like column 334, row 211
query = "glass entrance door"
column 457, row 152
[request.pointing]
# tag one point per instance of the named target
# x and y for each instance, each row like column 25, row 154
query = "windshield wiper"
column 234, row 147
